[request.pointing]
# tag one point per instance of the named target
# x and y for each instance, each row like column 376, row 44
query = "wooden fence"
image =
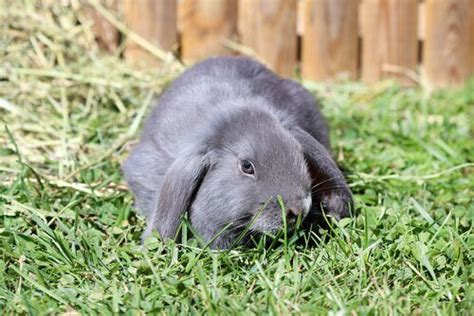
column 409, row 40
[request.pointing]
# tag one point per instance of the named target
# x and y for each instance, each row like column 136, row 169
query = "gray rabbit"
column 225, row 139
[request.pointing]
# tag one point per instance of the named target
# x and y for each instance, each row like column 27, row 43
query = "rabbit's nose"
column 300, row 207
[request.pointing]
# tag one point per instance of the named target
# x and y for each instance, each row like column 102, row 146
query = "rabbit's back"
column 220, row 84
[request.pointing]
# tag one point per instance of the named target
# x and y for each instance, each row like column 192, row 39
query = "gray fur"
column 216, row 113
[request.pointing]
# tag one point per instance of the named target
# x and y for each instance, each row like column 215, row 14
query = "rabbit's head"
column 230, row 175
column 254, row 160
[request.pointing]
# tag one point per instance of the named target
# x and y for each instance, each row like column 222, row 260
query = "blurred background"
column 428, row 42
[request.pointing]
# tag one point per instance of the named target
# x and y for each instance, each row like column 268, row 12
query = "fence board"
column 389, row 39
column 449, row 42
column 330, row 39
column 106, row 35
column 421, row 21
column 300, row 17
column 153, row 20
column 269, row 28
column 396, row 35
column 204, row 25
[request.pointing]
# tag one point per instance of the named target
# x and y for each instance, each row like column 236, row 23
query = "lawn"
column 70, row 238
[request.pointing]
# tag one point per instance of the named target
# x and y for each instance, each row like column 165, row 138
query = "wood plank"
column 330, row 41
column 300, row 17
column 448, row 57
column 362, row 19
column 269, row 28
column 390, row 43
column 153, row 20
column 106, row 35
column 204, row 25
column 421, row 21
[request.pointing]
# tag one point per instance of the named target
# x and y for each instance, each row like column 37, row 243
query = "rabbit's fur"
column 215, row 115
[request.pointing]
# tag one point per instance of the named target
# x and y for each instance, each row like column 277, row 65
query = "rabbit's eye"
column 247, row 167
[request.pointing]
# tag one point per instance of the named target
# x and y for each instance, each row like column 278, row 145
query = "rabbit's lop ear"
column 179, row 186
column 329, row 183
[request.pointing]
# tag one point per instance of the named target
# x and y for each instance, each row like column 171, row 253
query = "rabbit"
column 222, row 142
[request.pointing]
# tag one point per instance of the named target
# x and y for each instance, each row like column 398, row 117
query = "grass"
column 70, row 239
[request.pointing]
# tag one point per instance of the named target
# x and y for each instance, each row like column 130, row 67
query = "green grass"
column 70, row 239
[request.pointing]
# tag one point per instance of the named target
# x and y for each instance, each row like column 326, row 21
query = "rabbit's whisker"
column 324, row 190
column 325, row 181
